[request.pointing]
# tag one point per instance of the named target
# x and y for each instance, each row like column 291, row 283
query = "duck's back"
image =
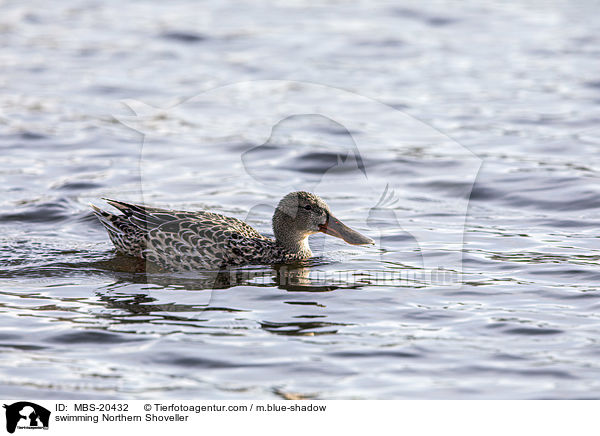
column 184, row 240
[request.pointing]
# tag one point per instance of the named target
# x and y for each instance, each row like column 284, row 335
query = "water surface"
column 518, row 86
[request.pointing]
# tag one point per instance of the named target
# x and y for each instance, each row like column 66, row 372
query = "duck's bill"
column 335, row 227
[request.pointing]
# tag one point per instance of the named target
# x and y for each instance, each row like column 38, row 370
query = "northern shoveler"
column 179, row 240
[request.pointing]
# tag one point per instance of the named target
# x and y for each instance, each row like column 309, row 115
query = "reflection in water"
column 156, row 298
column 127, row 269
column 300, row 328
column 135, row 306
column 141, row 294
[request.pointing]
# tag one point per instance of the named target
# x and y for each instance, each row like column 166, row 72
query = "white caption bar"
column 41, row 417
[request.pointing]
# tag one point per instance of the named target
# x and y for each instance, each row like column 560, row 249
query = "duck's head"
column 300, row 214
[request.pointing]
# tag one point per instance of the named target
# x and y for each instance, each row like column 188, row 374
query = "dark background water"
column 517, row 85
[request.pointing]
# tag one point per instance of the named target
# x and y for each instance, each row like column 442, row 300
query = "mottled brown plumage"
column 179, row 240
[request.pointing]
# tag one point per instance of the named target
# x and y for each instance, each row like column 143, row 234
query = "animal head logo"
column 24, row 414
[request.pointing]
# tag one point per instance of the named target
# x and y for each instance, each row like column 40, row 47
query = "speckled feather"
column 179, row 240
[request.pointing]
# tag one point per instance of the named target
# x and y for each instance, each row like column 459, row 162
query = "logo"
column 26, row 415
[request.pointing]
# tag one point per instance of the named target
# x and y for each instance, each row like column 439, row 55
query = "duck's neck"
column 287, row 235
column 296, row 244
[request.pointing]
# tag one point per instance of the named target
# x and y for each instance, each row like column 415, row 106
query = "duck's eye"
column 307, row 207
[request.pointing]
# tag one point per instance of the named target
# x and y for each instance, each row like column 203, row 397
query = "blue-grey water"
column 500, row 108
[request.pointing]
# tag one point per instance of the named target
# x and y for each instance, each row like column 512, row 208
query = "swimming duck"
column 179, row 240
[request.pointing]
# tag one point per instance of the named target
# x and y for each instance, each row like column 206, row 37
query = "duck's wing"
column 149, row 218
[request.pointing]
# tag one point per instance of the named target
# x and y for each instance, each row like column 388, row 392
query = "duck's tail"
column 121, row 232
column 108, row 220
